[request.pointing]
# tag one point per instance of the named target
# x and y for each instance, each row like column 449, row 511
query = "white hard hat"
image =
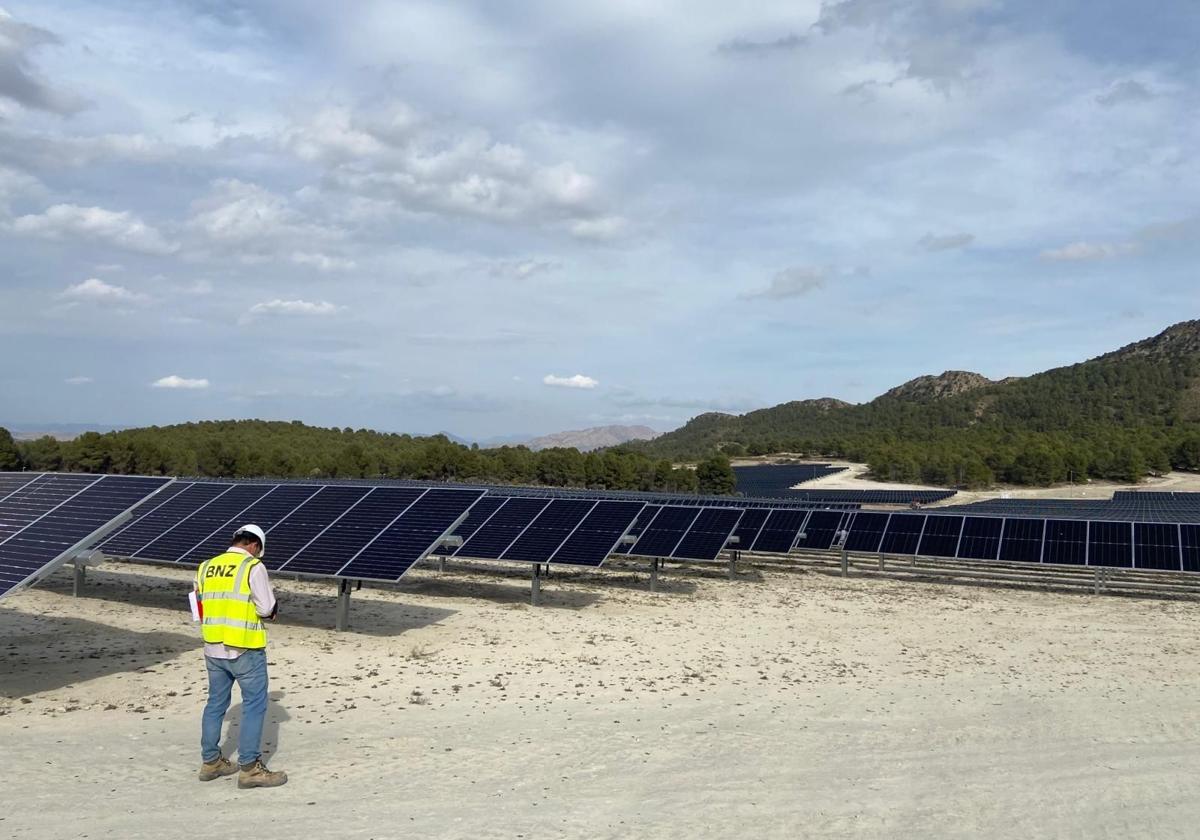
column 257, row 533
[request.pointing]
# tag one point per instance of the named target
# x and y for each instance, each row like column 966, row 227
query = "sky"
column 500, row 219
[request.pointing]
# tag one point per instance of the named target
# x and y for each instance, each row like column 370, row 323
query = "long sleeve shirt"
column 264, row 604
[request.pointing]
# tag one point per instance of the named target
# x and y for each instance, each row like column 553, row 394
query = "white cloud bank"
column 1081, row 251
column 319, row 308
column 180, row 383
column 95, row 290
column 72, row 221
column 576, row 381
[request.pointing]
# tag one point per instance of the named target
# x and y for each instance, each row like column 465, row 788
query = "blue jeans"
column 250, row 672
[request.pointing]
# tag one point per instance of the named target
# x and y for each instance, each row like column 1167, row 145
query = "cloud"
column 576, row 381
column 94, row 290
column 19, row 82
column 119, row 229
column 792, row 282
column 319, row 308
column 1126, row 90
column 744, row 47
column 323, row 262
column 602, row 229
column 420, row 164
column 251, row 220
column 1083, row 251
column 522, row 269
column 180, row 383
column 78, row 380
column 948, row 242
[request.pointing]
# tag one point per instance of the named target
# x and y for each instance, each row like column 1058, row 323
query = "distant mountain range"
column 61, row 431
column 585, row 440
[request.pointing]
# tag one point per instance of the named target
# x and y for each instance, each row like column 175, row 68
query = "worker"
column 235, row 598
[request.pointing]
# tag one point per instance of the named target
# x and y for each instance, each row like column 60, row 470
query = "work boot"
column 257, row 775
column 210, row 770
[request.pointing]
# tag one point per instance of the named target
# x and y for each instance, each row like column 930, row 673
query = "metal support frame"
column 342, row 619
column 846, row 562
column 654, row 575
column 80, row 577
column 441, row 567
column 535, row 588
column 881, row 562
column 733, row 558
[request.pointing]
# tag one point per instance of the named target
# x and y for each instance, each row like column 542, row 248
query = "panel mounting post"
column 1096, row 581
column 342, row 619
column 881, row 562
column 535, row 588
column 733, row 566
column 80, row 576
column 845, row 562
column 654, row 575
column 441, row 562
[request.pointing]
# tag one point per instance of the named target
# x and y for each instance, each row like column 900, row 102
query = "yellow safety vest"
column 223, row 589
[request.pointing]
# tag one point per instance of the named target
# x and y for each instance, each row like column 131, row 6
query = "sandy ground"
column 780, row 705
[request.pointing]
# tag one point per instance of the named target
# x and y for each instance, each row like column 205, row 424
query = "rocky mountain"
column 949, row 384
column 598, row 437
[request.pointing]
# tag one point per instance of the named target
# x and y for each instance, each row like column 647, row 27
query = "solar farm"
column 574, row 662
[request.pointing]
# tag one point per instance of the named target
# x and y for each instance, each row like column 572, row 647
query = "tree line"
column 264, row 449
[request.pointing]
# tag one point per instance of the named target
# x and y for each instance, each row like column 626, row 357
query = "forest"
column 263, row 449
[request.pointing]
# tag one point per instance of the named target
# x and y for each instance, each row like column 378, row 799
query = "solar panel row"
column 1140, row 545
column 346, row 531
column 45, row 518
column 768, row 480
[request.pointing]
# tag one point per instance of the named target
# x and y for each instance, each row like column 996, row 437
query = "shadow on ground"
column 41, row 653
column 270, row 745
column 123, row 583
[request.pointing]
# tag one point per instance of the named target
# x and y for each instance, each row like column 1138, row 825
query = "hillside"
column 1119, row 416
column 599, row 437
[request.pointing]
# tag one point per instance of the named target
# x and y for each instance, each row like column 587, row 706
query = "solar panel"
column 495, row 536
column 866, row 532
column 549, row 530
column 1110, row 544
column 1065, row 542
column 308, row 521
column 749, row 526
column 480, row 513
column 597, row 535
column 350, row 533
column 266, row 513
column 44, row 521
column 779, row 532
column 1021, row 541
column 820, row 530
column 981, row 538
column 177, row 541
column 665, row 531
column 411, row 535
column 27, row 504
column 709, row 534
column 10, row 482
column 903, row 534
column 1189, row 541
column 1156, row 546
column 639, row 525
column 940, row 538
